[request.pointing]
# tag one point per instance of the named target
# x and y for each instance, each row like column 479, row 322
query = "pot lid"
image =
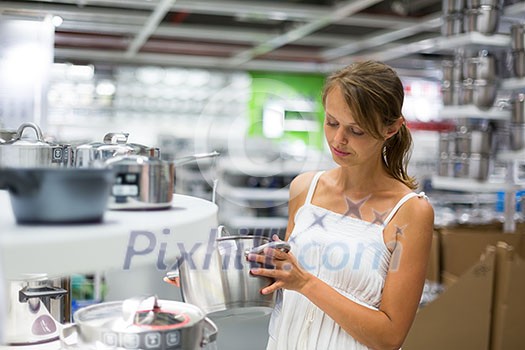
column 134, row 159
column 118, row 142
column 139, row 314
column 38, row 142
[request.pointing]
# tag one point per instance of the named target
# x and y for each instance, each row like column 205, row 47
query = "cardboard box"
column 460, row 318
column 461, row 246
column 434, row 265
column 508, row 318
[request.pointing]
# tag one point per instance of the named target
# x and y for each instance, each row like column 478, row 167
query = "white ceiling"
column 292, row 35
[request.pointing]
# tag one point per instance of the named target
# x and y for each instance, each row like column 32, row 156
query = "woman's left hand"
column 287, row 272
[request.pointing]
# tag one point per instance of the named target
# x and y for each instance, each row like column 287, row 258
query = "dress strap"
column 402, row 201
column 313, row 185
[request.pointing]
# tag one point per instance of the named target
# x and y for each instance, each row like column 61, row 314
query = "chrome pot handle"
column 211, row 330
column 22, row 127
column 131, row 306
column 66, row 335
column 192, row 158
column 222, row 232
column 115, row 138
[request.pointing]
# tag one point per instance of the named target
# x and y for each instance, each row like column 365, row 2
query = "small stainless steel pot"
column 484, row 93
column 146, row 182
column 517, row 36
column 452, row 24
column 24, row 152
column 139, row 323
column 518, row 63
column 475, row 166
column 518, row 109
column 483, row 19
column 217, row 277
column 452, row 6
column 113, row 145
column 517, row 136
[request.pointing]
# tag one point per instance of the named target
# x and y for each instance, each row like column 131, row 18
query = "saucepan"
column 217, row 277
column 57, row 195
column 143, row 182
column 143, row 322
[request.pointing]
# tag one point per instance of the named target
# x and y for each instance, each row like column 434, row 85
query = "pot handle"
column 211, row 329
column 192, row 158
column 23, row 126
column 131, row 306
column 115, row 138
column 68, row 335
column 281, row 245
column 222, row 232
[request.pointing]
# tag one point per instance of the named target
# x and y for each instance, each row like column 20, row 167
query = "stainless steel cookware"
column 452, row 24
column 139, row 323
column 484, row 93
column 217, row 277
column 481, row 67
column 518, row 109
column 57, row 195
column 113, row 145
column 29, row 321
column 146, row 182
column 452, row 6
column 517, row 36
column 470, row 4
column 518, row 63
column 517, row 136
column 26, row 152
column 482, row 19
column 474, row 166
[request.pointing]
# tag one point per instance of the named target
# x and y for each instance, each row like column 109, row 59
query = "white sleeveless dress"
column 347, row 253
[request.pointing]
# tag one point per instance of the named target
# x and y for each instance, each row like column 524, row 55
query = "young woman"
column 360, row 236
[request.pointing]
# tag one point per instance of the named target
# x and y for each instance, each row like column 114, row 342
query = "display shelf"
column 513, row 84
column 471, row 111
column 471, row 40
column 468, row 185
column 512, row 155
column 254, row 194
column 144, row 237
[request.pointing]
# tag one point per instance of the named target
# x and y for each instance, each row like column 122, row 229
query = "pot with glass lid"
column 143, row 322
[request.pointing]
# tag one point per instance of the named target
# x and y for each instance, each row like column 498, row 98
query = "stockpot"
column 143, row 322
column 216, row 277
column 146, row 182
column 25, row 152
column 113, row 145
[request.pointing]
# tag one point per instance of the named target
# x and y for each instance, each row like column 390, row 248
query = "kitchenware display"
column 57, row 195
column 474, row 166
column 518, row 63
column 217, row 278
column 29, row 320
column 112, row 145
column 139, row 323
column 26, row 152
column 517, row 136
column 452, row 24
column 484, row 93
column 483, row 19
column 146, row 182
column 517, row 36
column 518, row 109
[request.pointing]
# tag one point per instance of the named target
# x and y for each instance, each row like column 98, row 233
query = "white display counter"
column 124, row 239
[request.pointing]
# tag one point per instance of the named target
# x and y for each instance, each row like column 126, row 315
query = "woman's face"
column 349, row 144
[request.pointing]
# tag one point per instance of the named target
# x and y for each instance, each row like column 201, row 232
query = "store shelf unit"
column 471, row 111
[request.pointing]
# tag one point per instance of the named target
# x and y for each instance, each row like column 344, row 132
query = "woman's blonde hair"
column 374, row 93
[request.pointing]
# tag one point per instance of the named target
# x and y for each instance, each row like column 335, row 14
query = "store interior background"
column 241, row 77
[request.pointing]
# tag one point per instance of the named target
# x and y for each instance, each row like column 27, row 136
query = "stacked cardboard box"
column 483, row 305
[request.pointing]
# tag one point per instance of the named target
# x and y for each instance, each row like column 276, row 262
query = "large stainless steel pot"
column 24, row 152
column 146, row 182
column 139, row 323
column 57, row 195
column 112, row 145
column 29, row 321
column 217, row 277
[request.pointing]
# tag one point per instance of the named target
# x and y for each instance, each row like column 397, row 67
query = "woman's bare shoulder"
column 300, row 184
